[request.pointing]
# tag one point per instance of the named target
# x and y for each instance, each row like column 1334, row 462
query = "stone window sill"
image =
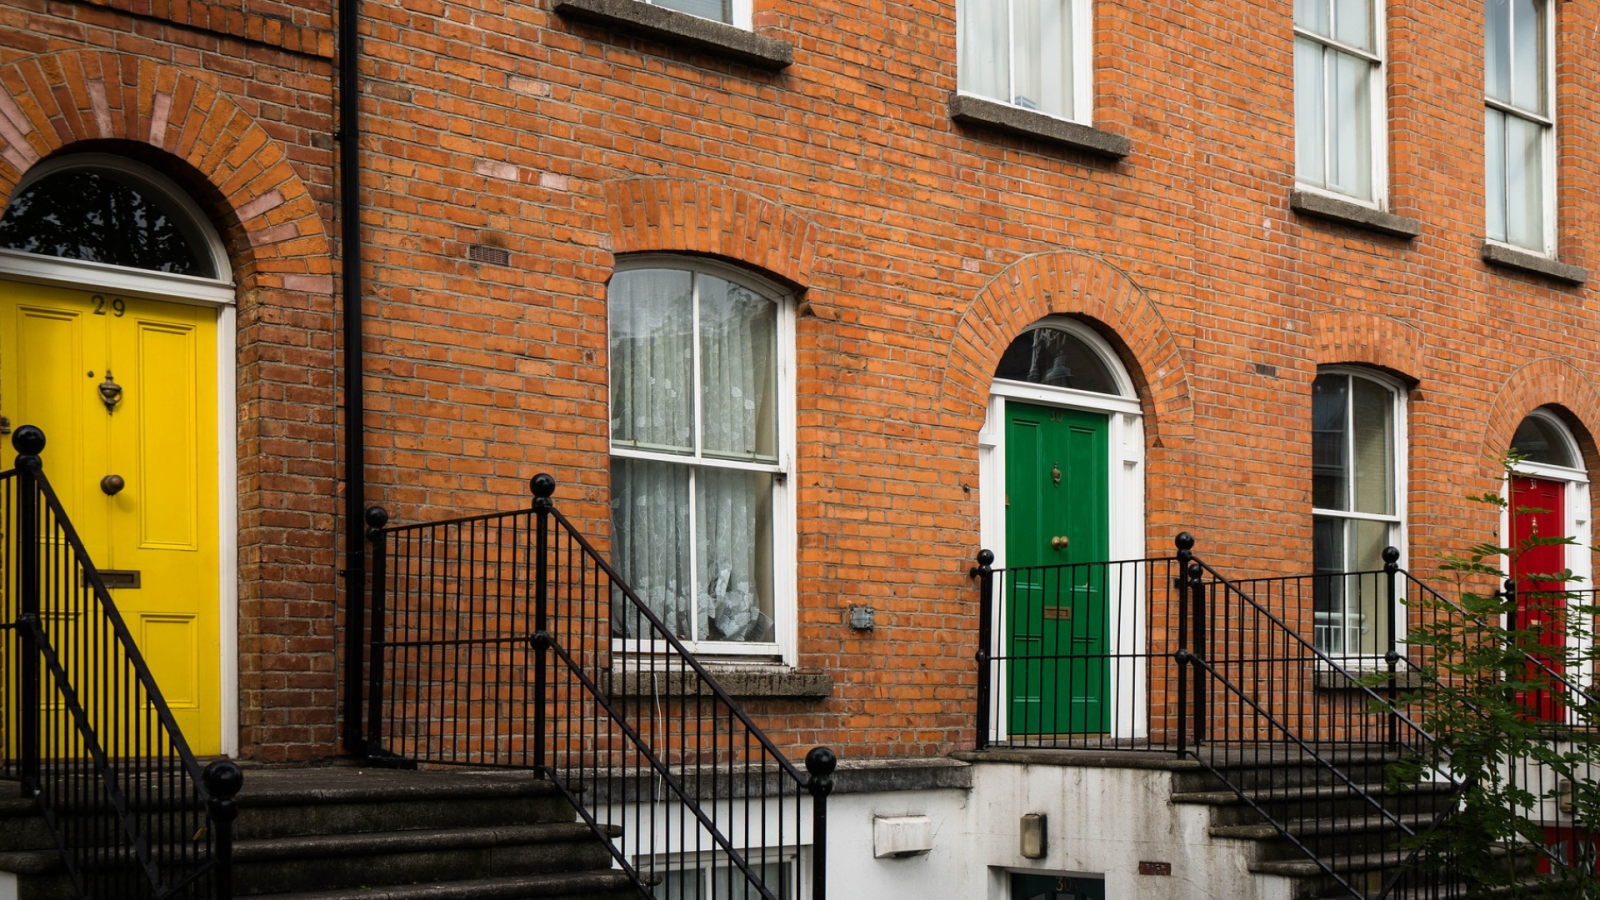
column 1329, row 680
column 1525, row 261
column 1345, row 212
column 673, row 27
column 1001, row 117
column 741, row 681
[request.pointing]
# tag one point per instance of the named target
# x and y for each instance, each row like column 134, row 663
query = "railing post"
column 1391, row 572
column 1197, row 590
column 543, row 486
column 1511, row 673
column 222, row 780
column 985, row 574
column 29, row 443
column 377, row 517
column 1185, row 543
column 820, row 762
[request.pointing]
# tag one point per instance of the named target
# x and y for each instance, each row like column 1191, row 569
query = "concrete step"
column 610, row 885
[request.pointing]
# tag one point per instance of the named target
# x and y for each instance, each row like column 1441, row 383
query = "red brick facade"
column 919, row 249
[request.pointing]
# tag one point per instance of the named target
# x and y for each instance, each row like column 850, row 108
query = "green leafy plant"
column 1499, row 689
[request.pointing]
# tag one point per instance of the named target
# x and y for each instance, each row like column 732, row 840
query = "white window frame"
column 785, row 608
column 1579, row 557
column 1082, row 63
column 1397, row 521
column 1378, row 104
column 1547, row 134
column 705, row 862
column 743, row 15
column 1125, row 628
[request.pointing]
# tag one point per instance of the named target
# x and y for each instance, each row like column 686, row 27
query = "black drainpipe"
column 355, row 482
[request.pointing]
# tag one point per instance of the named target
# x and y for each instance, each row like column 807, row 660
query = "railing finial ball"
column 985, row 557
column 821, row 762
column 222, row 779
column 377, row 517
column 1184, row 541
column 28, row 440
column 543, row 485
column 1391, row 555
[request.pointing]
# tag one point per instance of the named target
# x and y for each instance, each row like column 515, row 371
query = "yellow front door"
column 126, row 387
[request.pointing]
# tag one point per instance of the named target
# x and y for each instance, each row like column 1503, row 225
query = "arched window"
column 1543, row 439
column 701, row 431
column 1358, row 504
column 1054, row 356
column 120, row 215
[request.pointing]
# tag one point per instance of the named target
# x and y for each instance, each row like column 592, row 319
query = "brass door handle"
column 112, row 485
column 1059, row 542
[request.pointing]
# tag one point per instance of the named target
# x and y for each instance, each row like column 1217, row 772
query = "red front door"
column 1539, row 510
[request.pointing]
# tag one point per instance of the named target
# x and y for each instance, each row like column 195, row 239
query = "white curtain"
column 983, row 52
column 724, row 591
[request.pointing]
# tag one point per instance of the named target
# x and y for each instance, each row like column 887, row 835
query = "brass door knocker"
column 110, row 392
column 1055, row 474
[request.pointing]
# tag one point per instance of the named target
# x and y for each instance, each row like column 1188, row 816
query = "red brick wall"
column 921, row 248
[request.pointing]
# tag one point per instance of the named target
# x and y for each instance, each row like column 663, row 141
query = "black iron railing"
column 86, row 730
column 507, row 640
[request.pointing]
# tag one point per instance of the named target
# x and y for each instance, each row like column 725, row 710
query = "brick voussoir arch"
column 52, row 101
column 1548, row 381
column 678, row 216
column 1067, row 282
column 1359, row 338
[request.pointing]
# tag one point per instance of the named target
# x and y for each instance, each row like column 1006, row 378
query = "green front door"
column 1055, row 618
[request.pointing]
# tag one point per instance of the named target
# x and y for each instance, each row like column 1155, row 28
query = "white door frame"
column 213, row 293
column 1125, row 489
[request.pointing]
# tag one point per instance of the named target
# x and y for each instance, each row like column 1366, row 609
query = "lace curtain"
column 694, row 540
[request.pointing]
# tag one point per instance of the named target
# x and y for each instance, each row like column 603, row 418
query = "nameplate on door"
column 119, row 578
column 1058, row 613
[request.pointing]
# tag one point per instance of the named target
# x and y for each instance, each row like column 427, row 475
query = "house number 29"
column 118, row 307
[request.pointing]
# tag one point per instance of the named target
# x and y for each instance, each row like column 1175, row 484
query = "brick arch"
column 1548, row 381
column 49, row 103
column 1068, row 282
column 1384, row 342
column 663, row 214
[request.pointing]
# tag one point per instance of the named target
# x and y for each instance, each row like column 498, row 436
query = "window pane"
column 650, row 544
column 734, row 514
column 1327, row 549
column 738, row 372
column 1541, row 442
column 1352, row 22
column 1330, row 466
column 984, row 52
column 1497, row 49
column 652, row 360
column 720, row 10
column 1054, row 357
column 1043, row 31
column 1373, row 446
column 728, row 883
column 1527, row 55
column 1367, row 596
column 681, row 884
column 1312, row 15
column 1309, row 115
column 104, row 216
column 1525, row 183
column 1350, row 169
column 1494, row 153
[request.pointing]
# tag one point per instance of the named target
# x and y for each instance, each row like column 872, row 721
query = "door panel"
column 160, row 436
column 1539, row 509
column 1057, row 519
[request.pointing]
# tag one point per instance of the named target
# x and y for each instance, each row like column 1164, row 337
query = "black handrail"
column 129, row 807
column 506, row 639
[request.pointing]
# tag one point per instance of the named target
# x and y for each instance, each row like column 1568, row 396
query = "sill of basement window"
column 683, row 29
column 991, row 114
column 740, row 680
column 1508, row 257
column 1349, row 212
column 1333, row 680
